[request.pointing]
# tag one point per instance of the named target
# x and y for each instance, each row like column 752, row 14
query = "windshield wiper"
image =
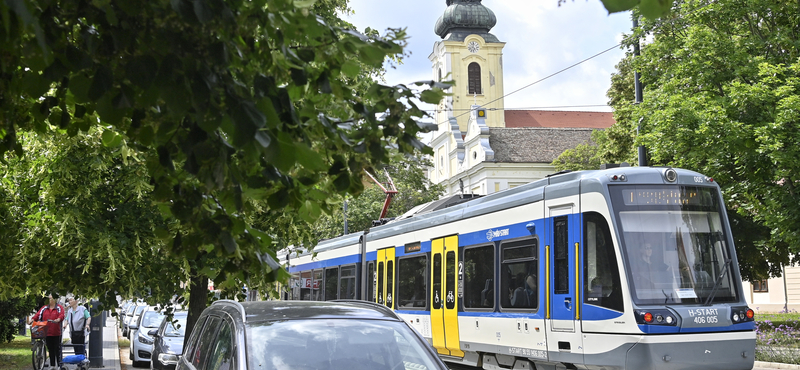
column 716, row 282
column 665, row 295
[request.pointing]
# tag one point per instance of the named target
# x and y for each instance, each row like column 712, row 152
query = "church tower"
column 472, row 57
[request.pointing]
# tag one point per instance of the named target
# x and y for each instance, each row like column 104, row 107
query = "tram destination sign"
column 666, row 196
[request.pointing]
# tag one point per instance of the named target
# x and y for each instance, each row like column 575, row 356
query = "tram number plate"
column 704, row 316
column 527, row 352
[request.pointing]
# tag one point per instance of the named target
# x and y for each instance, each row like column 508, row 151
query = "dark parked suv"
column 304, row 335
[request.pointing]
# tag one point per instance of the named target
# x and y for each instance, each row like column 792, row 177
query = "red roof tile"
column 558, row 119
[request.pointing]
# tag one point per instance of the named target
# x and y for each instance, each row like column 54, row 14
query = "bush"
column 10, row 313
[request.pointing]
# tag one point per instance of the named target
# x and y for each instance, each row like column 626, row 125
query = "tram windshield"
column 675, row 244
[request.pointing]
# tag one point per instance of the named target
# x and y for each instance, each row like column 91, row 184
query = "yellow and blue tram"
column 623, row 268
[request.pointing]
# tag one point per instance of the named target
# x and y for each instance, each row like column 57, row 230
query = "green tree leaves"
column 721, row 93
column 230, row 114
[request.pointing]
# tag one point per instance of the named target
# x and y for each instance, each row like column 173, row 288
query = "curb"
column 776, row 365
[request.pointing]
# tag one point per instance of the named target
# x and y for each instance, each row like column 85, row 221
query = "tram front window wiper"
column 716, row 282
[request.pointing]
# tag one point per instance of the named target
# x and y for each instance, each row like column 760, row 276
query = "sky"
column 541, row 39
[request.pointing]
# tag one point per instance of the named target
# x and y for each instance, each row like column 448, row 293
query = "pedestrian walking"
column 53, row 314
column 78, row 321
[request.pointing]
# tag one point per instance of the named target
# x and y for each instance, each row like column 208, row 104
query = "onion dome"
column 462, row 18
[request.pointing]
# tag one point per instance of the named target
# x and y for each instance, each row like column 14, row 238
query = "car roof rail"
column 232, row 303
column 367, row 303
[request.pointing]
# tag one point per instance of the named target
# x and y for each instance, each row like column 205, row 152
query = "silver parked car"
column 292, row 335
column 133, row 320
column 141, row 341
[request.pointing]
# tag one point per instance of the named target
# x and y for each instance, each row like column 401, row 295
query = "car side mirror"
column 153, row 333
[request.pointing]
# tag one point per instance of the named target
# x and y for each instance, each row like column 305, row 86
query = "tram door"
column 385, row 272
column 444, row 296
column 563, row 307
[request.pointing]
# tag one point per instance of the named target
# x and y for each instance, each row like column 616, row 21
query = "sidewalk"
column 110, row 346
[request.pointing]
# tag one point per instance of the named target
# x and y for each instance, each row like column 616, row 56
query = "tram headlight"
column 670, row 320
column 736, row 317
column 659, row 319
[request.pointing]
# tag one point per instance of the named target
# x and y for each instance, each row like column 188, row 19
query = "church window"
column 474, row 78
column 440, row 75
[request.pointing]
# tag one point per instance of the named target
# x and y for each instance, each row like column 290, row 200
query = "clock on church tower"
column 473, row 58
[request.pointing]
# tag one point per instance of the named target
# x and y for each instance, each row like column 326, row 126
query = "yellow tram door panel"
column 451, row 272
column 390, row 274
column 380, row 271
column 385, row 284
column 437, row 301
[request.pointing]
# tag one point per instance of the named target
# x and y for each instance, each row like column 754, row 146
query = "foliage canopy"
column 225, row 108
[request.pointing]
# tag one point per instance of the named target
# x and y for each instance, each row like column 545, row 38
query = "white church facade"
column 481, row 147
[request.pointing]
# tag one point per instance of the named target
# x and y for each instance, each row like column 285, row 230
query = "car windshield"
column 151, row 319
column 675, row 243
column 336, row 344
column 176, row 328
column 139, row 310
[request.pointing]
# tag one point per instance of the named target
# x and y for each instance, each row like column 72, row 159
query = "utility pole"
column 345, row 217
column 638, row 91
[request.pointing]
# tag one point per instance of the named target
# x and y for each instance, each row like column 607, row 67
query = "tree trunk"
column 198, row 296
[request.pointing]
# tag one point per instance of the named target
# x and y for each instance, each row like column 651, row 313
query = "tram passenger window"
column 411, row 282
column 347, row 284
column 331, row 283
column 479, row 277
column 306, row 283
column 437, row 281
column 602, row 284
column 389, row 283
column 371, row 281
column 519, row 279
column 380, row 282
column 450, row 280
column 317, row 285
column 294, row 286
column 561, row 255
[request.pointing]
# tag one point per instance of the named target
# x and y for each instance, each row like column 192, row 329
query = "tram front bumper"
column 711, row 351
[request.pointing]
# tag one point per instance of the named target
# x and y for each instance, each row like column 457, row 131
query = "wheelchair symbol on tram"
column 450, row 297
column 436, row 298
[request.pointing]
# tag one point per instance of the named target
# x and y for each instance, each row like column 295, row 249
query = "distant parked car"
column 126, row 319
column 133, row 320
column 141, row 341
column 289, row 335
column 168, row 342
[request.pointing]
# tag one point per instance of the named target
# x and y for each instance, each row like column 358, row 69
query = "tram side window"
column 306, row 283
column 294, row 286
column 479, row 277
column 389, row 283
column 380, row 282
column 331, row 283
column 317, row 286
column 450, row 280
column 347, row 284
column 602, row 287
column 371, row 281
column 411, row 282
column 519, row 280
column 437, row 281
column 561, row 257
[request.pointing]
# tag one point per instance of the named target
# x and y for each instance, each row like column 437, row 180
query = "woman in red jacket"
column 53, row 313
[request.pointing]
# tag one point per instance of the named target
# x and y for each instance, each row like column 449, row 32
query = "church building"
column 481, row 147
